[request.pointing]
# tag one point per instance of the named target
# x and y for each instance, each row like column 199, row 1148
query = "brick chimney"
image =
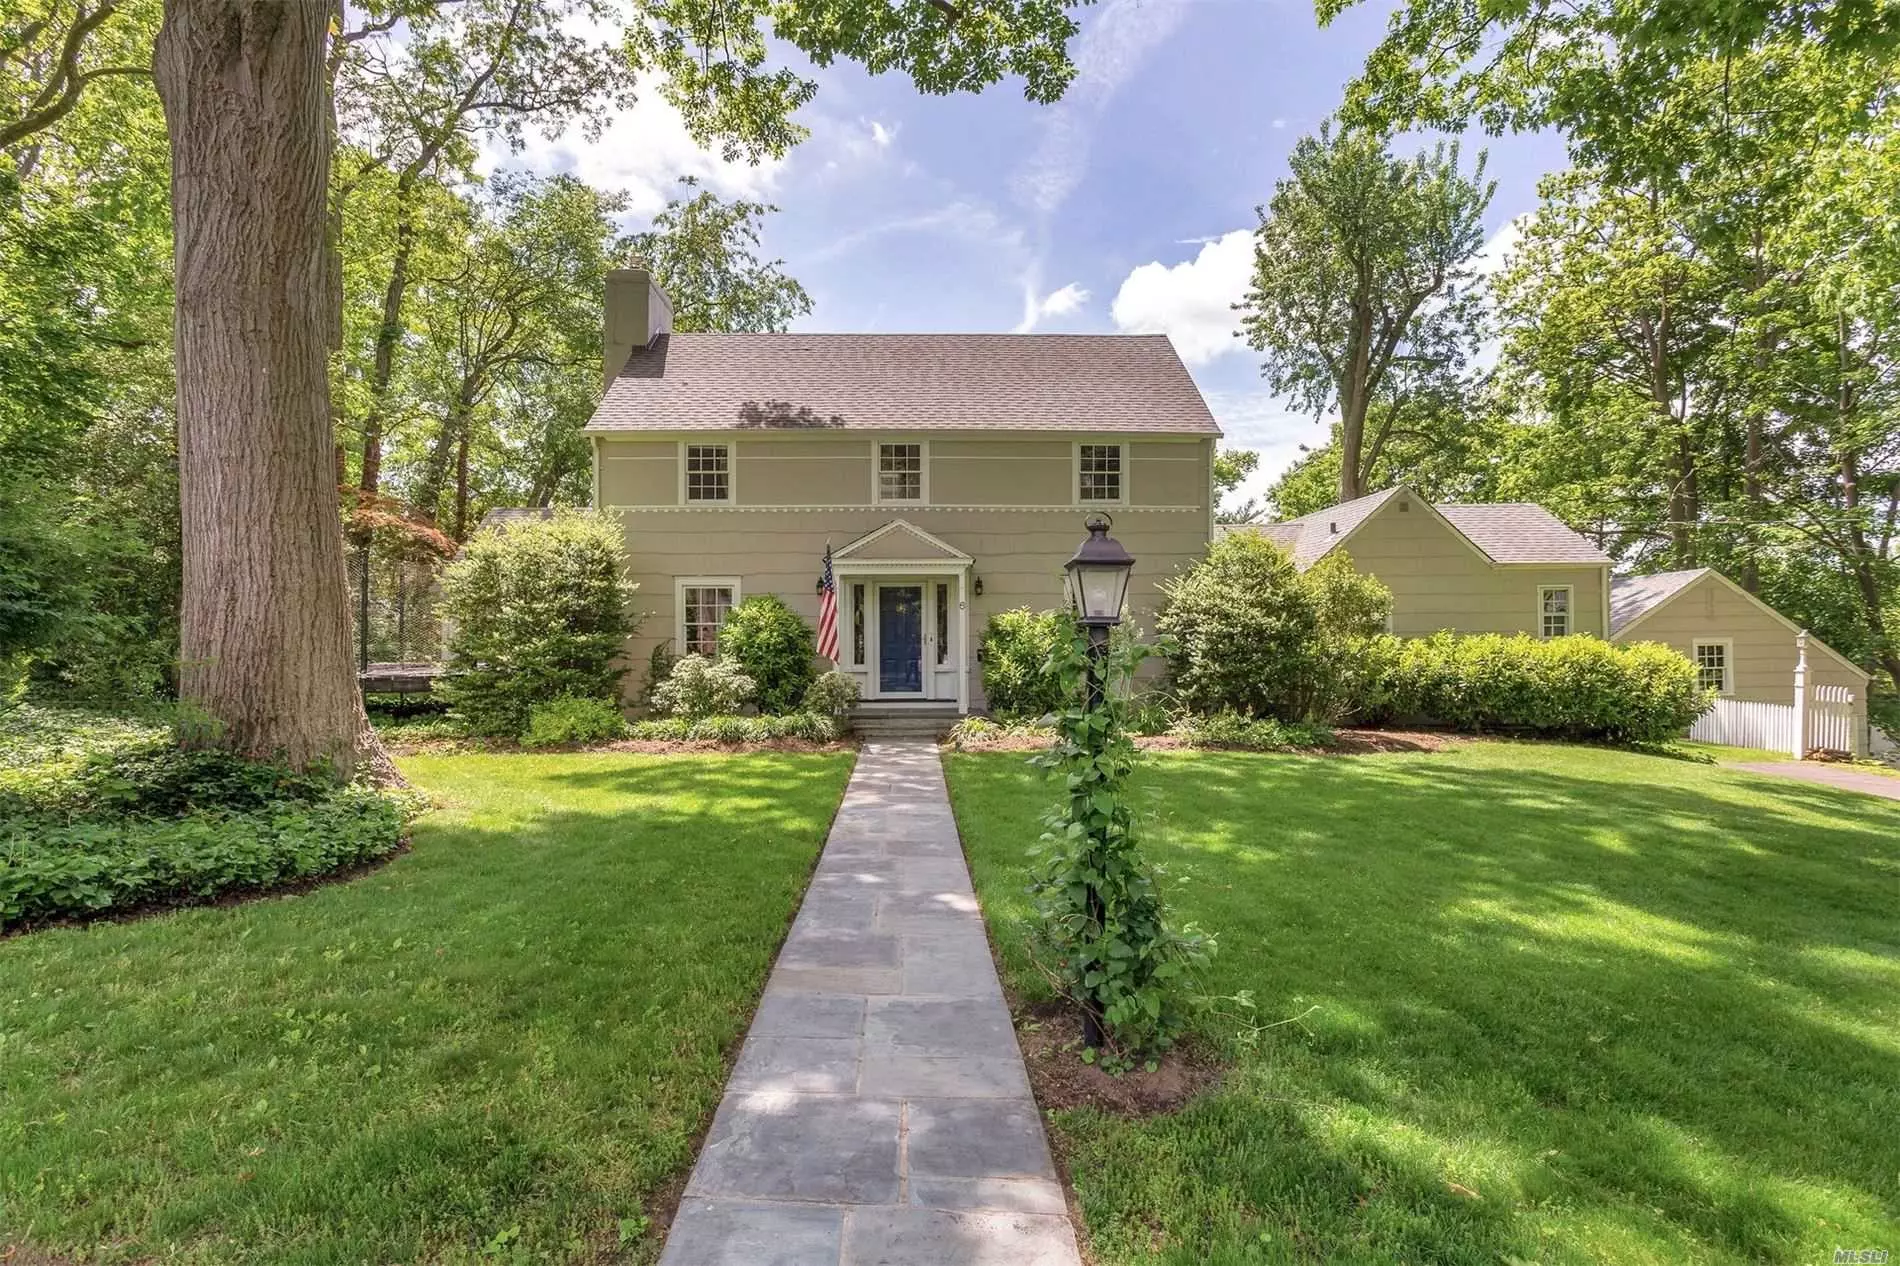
column 637, row 311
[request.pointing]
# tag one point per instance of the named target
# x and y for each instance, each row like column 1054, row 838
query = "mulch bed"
column 1051, row 1038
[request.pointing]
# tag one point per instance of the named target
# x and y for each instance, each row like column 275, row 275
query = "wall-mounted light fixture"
column 977, row 587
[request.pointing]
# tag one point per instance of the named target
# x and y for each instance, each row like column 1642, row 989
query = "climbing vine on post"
column 1102, row 933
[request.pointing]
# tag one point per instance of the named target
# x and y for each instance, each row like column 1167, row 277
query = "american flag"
column 828, row 611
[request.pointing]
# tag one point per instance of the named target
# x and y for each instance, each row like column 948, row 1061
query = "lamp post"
column 1098, row 588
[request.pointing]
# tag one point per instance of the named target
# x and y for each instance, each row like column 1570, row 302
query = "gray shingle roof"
column 924, row 382
column 1309, row 537
column 508, row 516
column 1631, row 596
column 1505, row 532
column 1521, row 532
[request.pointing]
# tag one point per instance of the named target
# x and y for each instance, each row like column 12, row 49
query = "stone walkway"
column 1828, row 775
column 879, row 1114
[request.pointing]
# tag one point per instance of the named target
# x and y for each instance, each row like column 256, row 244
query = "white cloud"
column 1059, row 302
column 1278, row 124
column 963, row 220
column 1112, row 46
column 1263, row 422
column 882, row 136
column 643, row 152
column 1191, row 302
column 1495, row 255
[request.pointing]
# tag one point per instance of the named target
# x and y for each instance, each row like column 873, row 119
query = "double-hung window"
column 1712, row 665
column 1553, row 610
column 704, row 605
column 900, row 472
column 1098, row 473
column 708, row 473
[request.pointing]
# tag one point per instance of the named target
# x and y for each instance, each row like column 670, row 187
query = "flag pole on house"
column 828, row 611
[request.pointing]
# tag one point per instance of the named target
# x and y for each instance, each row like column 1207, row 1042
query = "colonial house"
column 950, row 476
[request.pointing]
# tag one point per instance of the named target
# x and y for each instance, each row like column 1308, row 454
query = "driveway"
column 1828, row 775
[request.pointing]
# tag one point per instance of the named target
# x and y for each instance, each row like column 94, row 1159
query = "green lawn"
column 497, row 1046
column 1639, row 1009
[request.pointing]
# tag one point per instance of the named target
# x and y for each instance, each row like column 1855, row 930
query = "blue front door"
column 900, row 639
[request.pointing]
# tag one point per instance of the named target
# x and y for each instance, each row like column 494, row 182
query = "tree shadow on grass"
column 1643, row 1014
column 522, row 1023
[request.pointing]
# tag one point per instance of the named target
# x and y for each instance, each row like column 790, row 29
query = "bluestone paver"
column 879, row 1112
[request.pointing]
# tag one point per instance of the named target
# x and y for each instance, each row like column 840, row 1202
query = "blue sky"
column 1126, row 207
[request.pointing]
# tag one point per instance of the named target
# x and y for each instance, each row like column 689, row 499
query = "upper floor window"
column 1553, row 606
column 900, row 472
column 1099, row 472
column 708, row 472
column 1711, row 665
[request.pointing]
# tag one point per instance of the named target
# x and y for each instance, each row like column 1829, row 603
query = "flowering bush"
column 702, row 687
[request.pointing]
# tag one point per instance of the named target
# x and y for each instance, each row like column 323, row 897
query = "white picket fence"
column 1831, row 721
column 1744, row 723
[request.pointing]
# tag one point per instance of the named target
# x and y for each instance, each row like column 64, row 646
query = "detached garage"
column 1744, row 648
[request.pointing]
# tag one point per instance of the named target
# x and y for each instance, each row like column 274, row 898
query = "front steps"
column 903, row 720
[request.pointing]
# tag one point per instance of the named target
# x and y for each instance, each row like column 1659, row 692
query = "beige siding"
column 1440, row 581
column 1763, row 645
column 1019, row 556
column 639, row 473
column 1168, row 475
column 1000, row 477
column 838, row 470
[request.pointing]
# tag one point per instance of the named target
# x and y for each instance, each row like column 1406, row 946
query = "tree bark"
column 264, row 623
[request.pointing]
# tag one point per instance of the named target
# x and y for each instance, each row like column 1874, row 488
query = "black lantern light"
column 1098, row 576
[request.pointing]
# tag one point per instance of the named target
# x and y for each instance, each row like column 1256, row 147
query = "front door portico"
column 904, row 615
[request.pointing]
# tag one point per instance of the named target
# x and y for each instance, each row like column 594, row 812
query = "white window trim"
column 680, row 585
column 1570, row 609
column 732, row 471
column 923, row 473
column 1728, row 661
column 1075, row 472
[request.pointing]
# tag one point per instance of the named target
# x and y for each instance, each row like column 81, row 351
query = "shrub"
column 1231, row 730
column 659, row 667
column 539, row 612
column 774, row 646
column 702, row 687
column 573, row 720
column 1351, row 609
column 738, row 729
column 1017, row 678
column 1245, row 631
column 832, row 695
column 1567, row 687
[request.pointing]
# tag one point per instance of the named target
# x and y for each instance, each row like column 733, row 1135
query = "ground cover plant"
column 100, row 816
column 500, row 1046
column 1548, row 1004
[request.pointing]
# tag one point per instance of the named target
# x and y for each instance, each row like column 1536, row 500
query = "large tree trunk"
column 264, row 631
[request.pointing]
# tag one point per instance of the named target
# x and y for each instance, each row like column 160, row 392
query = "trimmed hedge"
column 1563, row 687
